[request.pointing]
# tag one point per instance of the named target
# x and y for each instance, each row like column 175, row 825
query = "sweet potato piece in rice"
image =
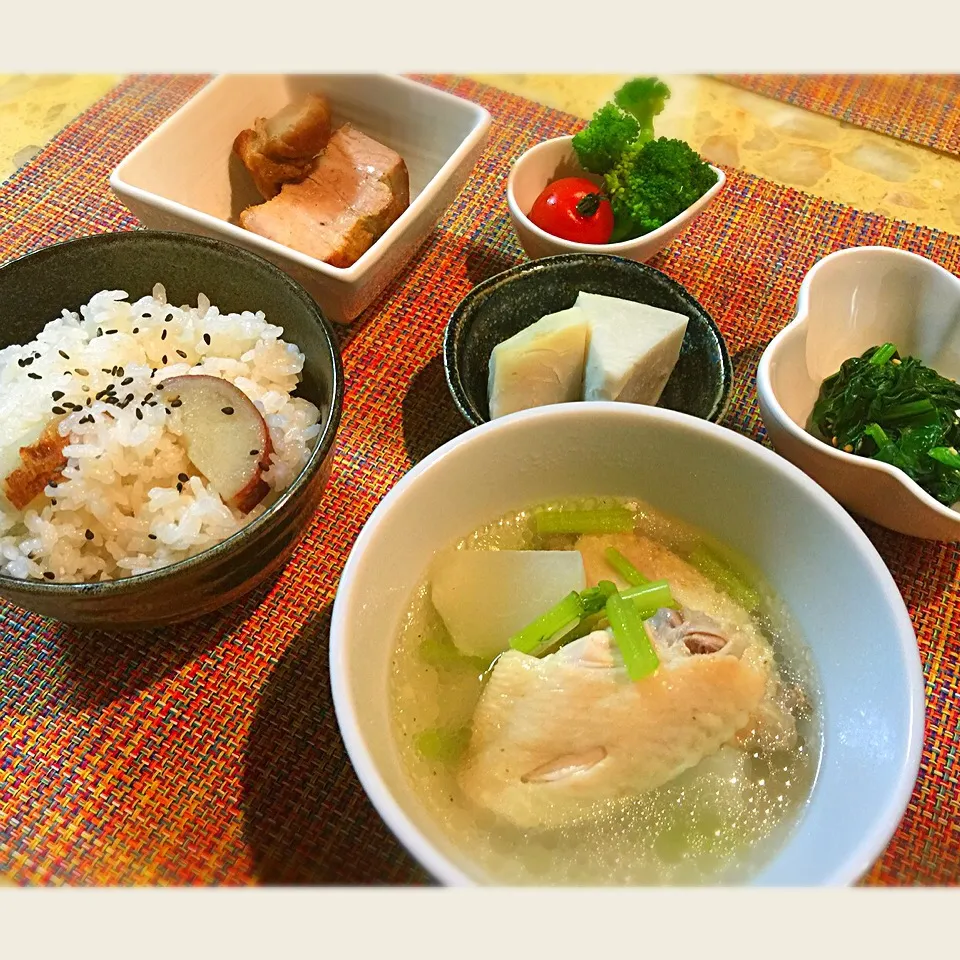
column 42, row 461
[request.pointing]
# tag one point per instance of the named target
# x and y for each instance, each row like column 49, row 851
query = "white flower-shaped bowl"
column 849, row 301
column 553, row 159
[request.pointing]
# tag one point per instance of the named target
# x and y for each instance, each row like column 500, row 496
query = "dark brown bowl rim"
column 317, row 457
column 451, row 362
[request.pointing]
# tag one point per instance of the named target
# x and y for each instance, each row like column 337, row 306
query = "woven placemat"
column 209, row 753
column 921, row 108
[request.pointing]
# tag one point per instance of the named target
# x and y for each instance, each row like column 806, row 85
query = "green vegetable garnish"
column 648, row 181
column 652, row 596
column 550, row 626
column 594, row 599
column 725, row 577
column 637, row 651
column 899, row 411
column 442, row 745
column 611, row 520
column 578, row 614
column 624, row 567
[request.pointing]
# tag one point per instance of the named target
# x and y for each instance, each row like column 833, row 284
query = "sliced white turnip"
column 227, row 439
column 486, row 596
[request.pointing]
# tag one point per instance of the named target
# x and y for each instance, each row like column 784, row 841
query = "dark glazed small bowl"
column 34, row 290
column 505, row 304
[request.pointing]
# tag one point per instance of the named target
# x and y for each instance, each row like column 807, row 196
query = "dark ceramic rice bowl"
column 34, row 290
column 505, row 304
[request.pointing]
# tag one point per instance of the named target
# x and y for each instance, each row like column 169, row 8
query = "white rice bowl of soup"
column 764, row 726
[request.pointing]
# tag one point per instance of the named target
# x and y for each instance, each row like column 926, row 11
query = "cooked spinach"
column 898, row 410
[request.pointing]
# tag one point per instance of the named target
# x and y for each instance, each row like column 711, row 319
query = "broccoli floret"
column 643, row 98
column 654, row 182
column 626, row 121
column 600, row 144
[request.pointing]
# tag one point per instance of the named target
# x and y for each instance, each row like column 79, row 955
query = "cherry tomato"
column 573, row 209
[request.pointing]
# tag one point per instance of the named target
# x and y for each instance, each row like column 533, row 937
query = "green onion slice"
column 639, row 657
column 550, row 626
column 624, row 567
column 611, row 520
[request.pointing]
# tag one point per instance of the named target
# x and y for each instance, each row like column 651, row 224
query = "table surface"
column 783, row 143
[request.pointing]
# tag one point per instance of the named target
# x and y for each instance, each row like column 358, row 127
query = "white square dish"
column 185, row 176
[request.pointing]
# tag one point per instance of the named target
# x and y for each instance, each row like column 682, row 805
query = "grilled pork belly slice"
column 353, row 192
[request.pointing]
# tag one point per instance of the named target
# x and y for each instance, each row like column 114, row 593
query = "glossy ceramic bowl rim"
column 613, row 248
column 765, row 384
column 885, row 823
column 322, row 447
column 451, row 364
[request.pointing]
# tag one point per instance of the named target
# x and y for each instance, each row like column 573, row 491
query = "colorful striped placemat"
column 209, row 753
column 921, row 108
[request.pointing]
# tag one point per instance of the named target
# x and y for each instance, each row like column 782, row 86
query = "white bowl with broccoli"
column 648, row 188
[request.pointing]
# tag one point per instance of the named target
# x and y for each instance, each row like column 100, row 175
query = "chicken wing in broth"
column 655, row 727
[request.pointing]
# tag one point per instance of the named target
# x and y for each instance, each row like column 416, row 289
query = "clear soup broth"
column 716, row 822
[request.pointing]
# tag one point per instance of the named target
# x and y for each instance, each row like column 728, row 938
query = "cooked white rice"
column 121, row 508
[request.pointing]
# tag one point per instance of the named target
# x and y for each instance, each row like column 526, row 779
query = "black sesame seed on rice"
column 179, row 488
column 139, row 413
column 180, row 353
column 164, row 359
column 121, row 372
column 125, row 381
column 227, row 410
column 206, row 339
column 254, row 453
column 58, row 410
column 176, row 402
column 34, row 376
column 152, row 536
column 163, row 334
column 57, row 394
column 49, row 574
column 54, row 502
column 89, row 534
column 66, row 356
column 136, row 330
column 28, row 361
column 168, row 410
column 182, row 477
column 146, row 399
column 80, row 372
column 108, row 332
